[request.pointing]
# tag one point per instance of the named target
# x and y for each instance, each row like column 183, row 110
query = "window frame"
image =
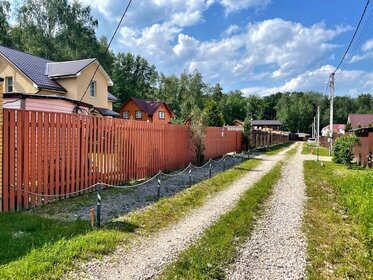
column 136, row 115
column 124, row 114
column 7, row 83
column 162, row 113
column 93, row 85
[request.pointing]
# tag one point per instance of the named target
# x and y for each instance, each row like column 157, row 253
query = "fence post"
column 99, row 204
column 210, row 166
column 223, row 164
column 159, row 186
column 190, row 175
column 1, row 143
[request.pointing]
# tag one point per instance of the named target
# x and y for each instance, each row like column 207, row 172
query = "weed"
column 338, row 222
column 216, row 249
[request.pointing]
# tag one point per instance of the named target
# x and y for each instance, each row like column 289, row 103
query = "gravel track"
column 277, row 247
column 148, row 256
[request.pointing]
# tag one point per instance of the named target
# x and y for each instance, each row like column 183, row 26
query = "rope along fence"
column 188, row 176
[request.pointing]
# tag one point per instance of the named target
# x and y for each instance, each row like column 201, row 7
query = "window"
column 9, row 84
column 126, row 115
column 161, row 115
column 138, row 115
column 92, row 89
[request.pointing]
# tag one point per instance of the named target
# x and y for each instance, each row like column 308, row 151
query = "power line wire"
column 357, row 44
column 353, row 37
column 106, row 51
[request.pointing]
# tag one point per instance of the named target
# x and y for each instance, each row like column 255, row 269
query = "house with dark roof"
column 360, row 120
column 66, row 85
column 266, row 124
column 146, row 110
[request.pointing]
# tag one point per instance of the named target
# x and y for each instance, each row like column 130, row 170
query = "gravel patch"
column 146, row 258
column 277, row 247
column 121, row 202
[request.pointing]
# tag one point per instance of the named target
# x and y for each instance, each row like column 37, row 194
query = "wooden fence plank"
column 6, row 163
column 55, row 153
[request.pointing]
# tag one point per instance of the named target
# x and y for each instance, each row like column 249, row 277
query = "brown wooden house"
column 146, row 110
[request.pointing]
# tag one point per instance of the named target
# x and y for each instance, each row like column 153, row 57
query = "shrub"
column 343, row 149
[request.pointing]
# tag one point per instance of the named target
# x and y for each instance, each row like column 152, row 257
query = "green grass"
column 312, row 149
column 338, row 222
column 274, row 150
column 207, row 258
column 46, row 248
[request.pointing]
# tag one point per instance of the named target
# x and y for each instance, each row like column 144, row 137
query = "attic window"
column 138, row 115
column 126, row 115
column 9, row 84
column 92, row 89
column 161, row 115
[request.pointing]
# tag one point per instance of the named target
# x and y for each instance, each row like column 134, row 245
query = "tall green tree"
column 133, row 76
column 234, row 106
column 4, row 24
column 364, row 103
column 213, row 114
column 217, row 93
column 268, row 110
column 192, row 94
column 295, row 112
column 56, row 29
column 169, row 90
column 253, row 106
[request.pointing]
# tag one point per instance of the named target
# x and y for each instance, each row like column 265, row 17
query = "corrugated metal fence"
column 57, row 154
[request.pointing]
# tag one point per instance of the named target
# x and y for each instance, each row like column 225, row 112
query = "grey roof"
column 33, row 67
column 106, row 112
column 67, row 68
column 266, row 122
column 111, row 97
column 41, row 71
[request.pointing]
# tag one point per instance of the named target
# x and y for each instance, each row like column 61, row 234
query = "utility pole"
column 331, row 113
column 314, row 127
column 318, row 132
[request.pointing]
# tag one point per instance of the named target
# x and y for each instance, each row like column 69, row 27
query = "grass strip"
column 48, row 252
column 312, row 149
column 210, row 255
column 274, row 150
column 338, row 222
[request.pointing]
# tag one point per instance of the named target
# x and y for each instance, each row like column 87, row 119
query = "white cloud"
column 368, row 45
column 271, row 49
column 235, row 5
column 347, row 82
column 232, row 29
column 367, row 48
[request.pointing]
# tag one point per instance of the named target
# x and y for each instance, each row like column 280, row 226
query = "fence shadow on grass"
column 123, row 226
column 22, row 232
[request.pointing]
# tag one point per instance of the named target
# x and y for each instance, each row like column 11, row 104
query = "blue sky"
column 257, row 46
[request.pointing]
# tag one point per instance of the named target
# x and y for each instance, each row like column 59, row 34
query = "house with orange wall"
column 146, row 110
column 35, row 83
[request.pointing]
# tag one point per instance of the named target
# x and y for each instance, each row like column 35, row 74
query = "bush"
column 342, row 152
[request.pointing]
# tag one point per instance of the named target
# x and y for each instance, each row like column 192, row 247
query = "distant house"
column 146, row 110
column 237, row 123
column 59, row 86
column 266, row 124
column 360, row 120
column 337, row 129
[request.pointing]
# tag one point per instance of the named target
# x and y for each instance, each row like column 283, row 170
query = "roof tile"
column 33, row 67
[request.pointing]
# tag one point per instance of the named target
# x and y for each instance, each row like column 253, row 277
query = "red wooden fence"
column 57, row 154
column 365, row 146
